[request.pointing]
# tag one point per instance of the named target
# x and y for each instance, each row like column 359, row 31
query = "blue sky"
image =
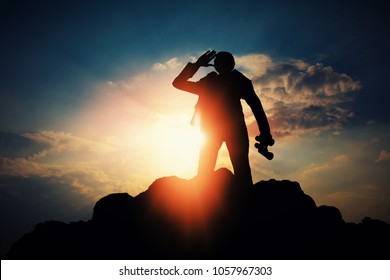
column 85, row 90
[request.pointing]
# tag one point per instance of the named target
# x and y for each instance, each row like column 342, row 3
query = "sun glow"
column 191, row 205
column 147, row 123
column 175, row 146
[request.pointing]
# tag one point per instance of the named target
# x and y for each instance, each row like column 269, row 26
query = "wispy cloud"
column 61, row 142
column 383, row 156
column 172, row 63
column 66, row 159
column 317, row 170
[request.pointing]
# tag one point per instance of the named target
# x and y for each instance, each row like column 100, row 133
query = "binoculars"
column 262, row 146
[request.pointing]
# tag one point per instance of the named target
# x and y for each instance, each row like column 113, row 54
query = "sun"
column 178, row 148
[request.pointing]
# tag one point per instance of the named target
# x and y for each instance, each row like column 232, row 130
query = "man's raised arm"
column 181, row 81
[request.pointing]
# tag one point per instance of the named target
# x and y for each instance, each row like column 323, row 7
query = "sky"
column 87, row 107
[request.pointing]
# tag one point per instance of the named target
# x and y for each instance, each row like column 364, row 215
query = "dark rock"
column 329, row 216
column 113, row 208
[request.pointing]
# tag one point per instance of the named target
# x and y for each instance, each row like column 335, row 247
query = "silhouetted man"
column 221, row 115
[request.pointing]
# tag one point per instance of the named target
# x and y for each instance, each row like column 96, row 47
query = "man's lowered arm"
column 258, row 111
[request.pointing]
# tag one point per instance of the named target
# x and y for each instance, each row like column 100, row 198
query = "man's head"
column 224, row 62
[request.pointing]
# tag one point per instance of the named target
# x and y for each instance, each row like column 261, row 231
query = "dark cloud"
column 16, row 145
column 324, row 82
column 301, row 98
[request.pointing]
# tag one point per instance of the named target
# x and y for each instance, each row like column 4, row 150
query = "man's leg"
column 208, row 156
column 238, row 147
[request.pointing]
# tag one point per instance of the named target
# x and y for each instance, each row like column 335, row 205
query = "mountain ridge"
column 215, row 218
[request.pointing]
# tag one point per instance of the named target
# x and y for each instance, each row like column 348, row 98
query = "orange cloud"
column 335, row 163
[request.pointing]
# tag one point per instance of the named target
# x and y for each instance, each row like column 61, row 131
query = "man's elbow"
column 174, row 83
column 177, row 84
